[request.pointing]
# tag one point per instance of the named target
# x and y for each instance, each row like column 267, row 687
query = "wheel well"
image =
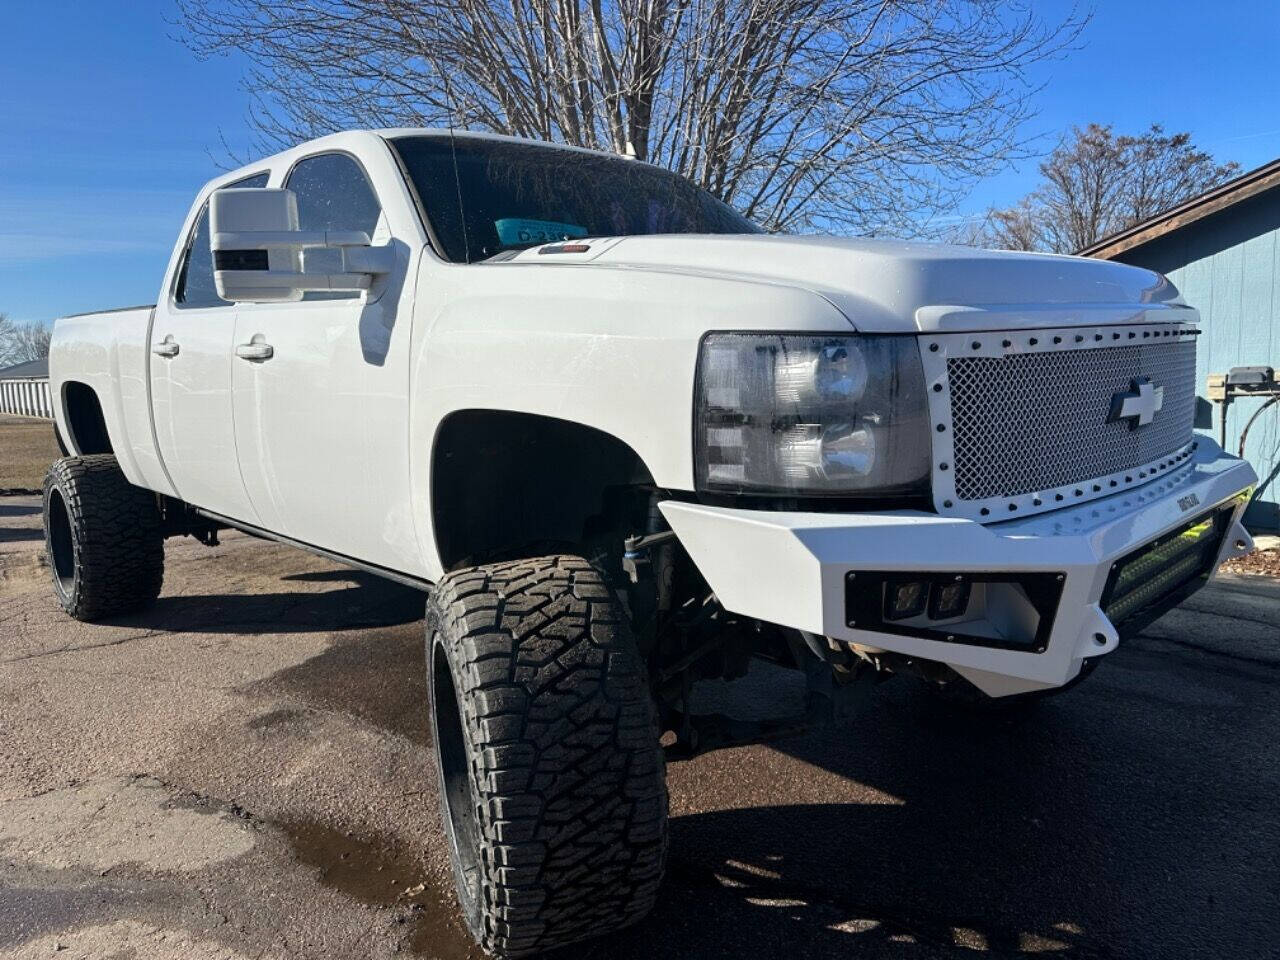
column 84, row 419
column 507, row 484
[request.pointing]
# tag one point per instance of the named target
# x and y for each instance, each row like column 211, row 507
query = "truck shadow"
column 372, row 668
column 1107, row 824
column 364, row 601
column 940, row 840
column 953, row 867
column 768, row 900
column 379, row 679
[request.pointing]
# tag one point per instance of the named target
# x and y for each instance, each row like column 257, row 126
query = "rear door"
column 192, row 337
column 322, row 425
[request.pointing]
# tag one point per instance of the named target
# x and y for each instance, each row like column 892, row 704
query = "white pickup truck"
column 628, row 444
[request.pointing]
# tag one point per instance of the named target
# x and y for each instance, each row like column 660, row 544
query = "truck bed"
column 108, row 352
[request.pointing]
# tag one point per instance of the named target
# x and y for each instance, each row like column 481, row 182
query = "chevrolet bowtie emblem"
column 1139, row 404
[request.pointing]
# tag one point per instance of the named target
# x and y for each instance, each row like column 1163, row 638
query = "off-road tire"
column 551, row 775
column 103, row 538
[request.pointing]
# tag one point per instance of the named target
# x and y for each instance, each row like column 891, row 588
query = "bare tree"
column 7, row 347
column 20, row 342
column 832, row 114
column 1097, row 183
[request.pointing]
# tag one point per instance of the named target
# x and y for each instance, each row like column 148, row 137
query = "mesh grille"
column 1031, row 422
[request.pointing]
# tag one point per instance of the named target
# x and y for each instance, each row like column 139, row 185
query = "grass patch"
column 27, row 447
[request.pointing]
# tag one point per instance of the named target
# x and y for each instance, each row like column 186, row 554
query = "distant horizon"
column 113, row 126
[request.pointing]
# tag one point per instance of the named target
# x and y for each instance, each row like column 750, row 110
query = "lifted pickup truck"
column 628, row 445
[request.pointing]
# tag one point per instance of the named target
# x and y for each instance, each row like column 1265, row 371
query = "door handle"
column 254, row 351
column 165, row 348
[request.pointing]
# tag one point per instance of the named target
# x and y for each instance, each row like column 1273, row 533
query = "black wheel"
column 103, row 537
column 551, row 775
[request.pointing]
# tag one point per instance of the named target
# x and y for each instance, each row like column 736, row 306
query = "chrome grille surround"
column 1020, row 416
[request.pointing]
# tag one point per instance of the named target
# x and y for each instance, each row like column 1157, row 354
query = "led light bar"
column 1147, row 582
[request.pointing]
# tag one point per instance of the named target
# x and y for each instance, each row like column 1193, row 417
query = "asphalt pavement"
column 244, row 772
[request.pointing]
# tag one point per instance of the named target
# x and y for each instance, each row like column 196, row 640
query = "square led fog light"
column 1004, row 610
column 949, row 599
column 904, row 599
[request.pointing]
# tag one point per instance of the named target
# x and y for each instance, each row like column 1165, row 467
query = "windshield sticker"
column 518, row 232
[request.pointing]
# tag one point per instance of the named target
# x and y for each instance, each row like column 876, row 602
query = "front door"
column 192, row 337
column 322, row 422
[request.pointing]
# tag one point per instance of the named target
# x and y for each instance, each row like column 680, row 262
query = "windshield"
column 507, row 196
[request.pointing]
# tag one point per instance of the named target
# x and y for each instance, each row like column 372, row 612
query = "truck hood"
column 898, row 287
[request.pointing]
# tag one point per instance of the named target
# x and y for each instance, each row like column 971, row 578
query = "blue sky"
column 108, row 126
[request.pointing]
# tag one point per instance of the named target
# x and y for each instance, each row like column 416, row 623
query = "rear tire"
column 551, row 775
column 103, row 538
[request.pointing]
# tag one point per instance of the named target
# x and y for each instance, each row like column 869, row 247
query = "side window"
column 195, row 277
column 333, row 194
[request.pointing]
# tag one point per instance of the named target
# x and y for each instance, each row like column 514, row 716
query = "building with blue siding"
column 1222, row 251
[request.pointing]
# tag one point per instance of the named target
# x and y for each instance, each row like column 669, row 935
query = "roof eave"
column 1197, row 208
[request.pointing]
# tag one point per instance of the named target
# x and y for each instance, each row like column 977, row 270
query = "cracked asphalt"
column 243, row 772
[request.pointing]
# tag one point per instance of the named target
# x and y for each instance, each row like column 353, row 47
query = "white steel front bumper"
column 790, row 568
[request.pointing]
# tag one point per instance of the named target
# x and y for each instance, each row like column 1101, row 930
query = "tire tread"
column 565, row 761
column 116, row 528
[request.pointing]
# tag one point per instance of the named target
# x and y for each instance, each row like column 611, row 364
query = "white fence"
column 26, row 398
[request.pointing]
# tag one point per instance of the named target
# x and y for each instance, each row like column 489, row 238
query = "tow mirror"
column 259, row 252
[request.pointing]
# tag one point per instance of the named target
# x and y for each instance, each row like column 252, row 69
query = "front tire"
column 103, row 538
column 551, row 774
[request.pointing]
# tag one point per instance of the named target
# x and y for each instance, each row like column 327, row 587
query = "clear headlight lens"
column 811, row 415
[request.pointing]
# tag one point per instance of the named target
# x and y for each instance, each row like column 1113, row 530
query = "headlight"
column 811, row 415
